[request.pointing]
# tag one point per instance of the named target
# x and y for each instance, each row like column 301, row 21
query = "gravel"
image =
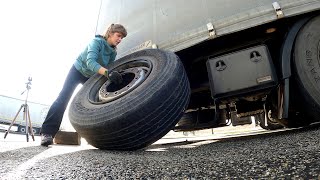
column 283, row 155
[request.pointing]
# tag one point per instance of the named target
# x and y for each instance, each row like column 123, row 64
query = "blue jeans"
column 54, row 117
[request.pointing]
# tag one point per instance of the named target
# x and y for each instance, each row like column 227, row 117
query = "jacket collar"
column 105, row 41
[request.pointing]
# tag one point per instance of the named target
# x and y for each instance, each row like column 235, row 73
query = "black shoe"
column 46, row 139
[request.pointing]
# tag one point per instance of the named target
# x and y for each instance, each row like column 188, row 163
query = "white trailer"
column 196, row 64
column 10, row 106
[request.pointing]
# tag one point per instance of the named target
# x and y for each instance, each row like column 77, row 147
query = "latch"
column 278, row 10
column 212, row 31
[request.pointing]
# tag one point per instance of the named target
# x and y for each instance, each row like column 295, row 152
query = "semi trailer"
column 198, row 64
column 9, row 108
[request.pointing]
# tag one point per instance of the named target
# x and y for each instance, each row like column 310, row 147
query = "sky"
column 41, row 39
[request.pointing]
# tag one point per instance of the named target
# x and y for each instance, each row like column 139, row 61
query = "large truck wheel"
column 147, row 105
column 307, row 68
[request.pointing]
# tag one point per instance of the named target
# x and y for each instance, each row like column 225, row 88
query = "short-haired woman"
column 91, row 61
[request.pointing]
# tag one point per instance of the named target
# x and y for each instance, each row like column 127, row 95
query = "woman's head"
column 115, row 33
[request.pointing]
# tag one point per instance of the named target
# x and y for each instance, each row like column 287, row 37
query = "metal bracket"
column 212, row 31
column 233, row 107
column 233, row 113
column 278, row 10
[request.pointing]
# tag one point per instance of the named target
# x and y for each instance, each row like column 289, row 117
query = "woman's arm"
column 94, row 48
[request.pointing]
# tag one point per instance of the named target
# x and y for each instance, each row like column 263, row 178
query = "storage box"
column 241, row 72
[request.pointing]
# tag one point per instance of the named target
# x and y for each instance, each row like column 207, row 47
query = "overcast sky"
column 41, row 39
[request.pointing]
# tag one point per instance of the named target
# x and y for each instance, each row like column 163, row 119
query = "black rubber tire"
column 141, row 117
column 307, row 69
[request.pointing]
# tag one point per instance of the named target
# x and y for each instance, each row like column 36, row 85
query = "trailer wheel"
column 307, row 68
column 138, row 112
column 21, row 129
column 35, row 130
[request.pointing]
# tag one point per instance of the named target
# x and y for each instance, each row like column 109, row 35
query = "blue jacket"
column 98, row 53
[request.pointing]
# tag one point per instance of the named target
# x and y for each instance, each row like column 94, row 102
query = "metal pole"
column 14, row 119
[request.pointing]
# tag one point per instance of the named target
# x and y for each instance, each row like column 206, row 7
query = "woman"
column 100, row 52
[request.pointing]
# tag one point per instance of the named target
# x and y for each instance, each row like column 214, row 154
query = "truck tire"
column 307, row 68
column 146, row 106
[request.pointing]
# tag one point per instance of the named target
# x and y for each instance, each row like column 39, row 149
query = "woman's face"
column 114, row 38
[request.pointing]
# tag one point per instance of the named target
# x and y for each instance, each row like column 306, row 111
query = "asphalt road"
column 293, row 154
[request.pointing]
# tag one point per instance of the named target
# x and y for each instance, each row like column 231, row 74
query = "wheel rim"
column 109, row 91
column 22, row 130
column 133, row 73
